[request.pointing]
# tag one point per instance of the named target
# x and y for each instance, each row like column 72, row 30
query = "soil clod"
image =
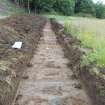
column 78, row 86
column 29, row 65
column 25, row 77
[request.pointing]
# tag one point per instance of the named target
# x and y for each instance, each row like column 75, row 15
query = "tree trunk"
column 29, row 6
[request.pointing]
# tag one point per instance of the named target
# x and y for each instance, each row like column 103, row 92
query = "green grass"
column 91, row 32
column 65, row 18
column 58, row 17
column 8, row 8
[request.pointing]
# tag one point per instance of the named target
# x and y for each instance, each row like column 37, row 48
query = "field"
column 92, row 35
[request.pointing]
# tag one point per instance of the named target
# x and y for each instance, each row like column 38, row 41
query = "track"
column 49, row 81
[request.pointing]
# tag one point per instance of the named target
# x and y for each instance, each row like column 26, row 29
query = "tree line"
column 64, row 7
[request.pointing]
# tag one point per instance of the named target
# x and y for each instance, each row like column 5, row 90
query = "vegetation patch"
column 91, row 37
column 65, row 7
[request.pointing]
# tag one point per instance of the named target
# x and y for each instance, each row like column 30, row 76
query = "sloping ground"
column 70, row 46
column 93, row 80
column 94, row 83
column 27, row 29
column 7, row 8
column 50, row 81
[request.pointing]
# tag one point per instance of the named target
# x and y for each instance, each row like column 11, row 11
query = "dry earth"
column 49, row 81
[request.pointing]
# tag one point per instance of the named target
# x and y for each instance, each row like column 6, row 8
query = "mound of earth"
column 28, row 30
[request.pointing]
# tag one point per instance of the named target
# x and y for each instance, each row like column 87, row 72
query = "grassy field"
column 66, row 18
column 92, row 35
column 8, row 8
column 91, row 32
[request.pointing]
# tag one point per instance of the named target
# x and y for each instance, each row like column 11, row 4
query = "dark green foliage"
column 64, row 7
column 100, row 10
column 85, row 6
column 77, row 6
column 43, row 5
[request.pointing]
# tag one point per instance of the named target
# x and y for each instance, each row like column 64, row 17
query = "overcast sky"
column 99, row 0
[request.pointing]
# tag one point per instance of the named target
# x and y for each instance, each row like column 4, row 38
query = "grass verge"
column 92, row 39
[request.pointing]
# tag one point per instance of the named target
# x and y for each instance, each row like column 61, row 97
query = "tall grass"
column 92, row 39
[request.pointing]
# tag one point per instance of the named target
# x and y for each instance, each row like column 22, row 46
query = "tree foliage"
column 84, row 6
column 100, row 10
column 65, row 7
column 43, row 5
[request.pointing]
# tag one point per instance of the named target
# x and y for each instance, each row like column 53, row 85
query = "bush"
column 65, row 7
column 85, row 6
column 43, row 5
column 84, row 15
column 100, row 10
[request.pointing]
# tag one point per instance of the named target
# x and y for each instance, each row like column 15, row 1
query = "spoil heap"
column 28, row 30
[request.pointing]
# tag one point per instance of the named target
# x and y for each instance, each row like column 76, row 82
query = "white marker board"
column 17, row 45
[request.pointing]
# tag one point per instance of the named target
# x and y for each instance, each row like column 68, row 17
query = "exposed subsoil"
column 49, row 80
column 24, row 28
column 95, row 84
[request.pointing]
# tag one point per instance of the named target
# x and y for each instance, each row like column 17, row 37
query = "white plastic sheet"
column 17, row 45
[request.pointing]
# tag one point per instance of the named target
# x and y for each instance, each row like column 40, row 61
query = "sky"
column 99, row 0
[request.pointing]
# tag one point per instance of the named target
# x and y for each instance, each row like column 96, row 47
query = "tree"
column 100, row 10
column 66, row 7
column 85, row 6
column 28, row 6
column 42, row 5
column 77, row 6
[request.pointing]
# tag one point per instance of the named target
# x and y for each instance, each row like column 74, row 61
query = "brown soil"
column 27, row 29
column 70, row 47
column 50, row 79
column 95, row 85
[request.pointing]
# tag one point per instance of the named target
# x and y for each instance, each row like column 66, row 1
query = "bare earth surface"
column 49, row 80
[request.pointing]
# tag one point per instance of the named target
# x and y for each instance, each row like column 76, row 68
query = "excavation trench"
column 50, row 81
column 23, row 28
